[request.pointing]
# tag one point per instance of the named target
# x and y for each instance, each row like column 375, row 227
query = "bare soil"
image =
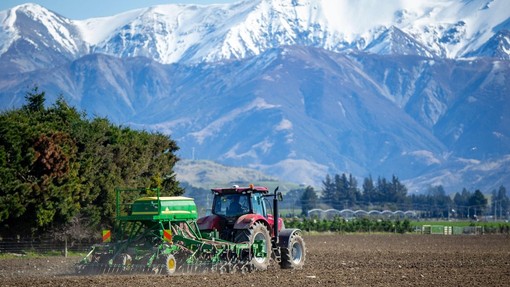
column 332, row 260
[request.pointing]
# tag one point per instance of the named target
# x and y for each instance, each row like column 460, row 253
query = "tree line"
column 59, row 169
column 341, row 191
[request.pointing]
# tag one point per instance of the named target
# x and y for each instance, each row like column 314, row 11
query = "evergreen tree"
column 35, row 101
column 353, row 193
column 382, row 191
column 397, row 191
column 308, row 200
column 329, row 193
column 500, row 203
column 341, row 190
column 56, row 166
column 461, row 202
column 441, row 204
column 369, row 192
column 478, row 202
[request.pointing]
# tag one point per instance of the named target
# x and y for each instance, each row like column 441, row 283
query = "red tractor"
column 243, row 214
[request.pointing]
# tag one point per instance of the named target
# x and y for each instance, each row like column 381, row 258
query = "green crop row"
column 339, row 224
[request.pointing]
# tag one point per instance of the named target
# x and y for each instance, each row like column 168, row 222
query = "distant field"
column 460, row 223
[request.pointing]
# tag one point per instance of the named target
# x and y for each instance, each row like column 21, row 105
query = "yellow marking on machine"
column 145, row 213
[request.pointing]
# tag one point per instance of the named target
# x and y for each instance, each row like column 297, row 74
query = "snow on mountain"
column 395, row 42
column 497, row 47
column 176, row 33
column 198, row 33
column 298, row 88
column 48, row 26
column 6, row 33
column 94, row 31
column 34, row 37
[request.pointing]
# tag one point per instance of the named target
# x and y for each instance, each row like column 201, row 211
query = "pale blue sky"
column 83, row 9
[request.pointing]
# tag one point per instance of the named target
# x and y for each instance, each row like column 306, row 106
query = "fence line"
column 458, row 230
column 27, row 245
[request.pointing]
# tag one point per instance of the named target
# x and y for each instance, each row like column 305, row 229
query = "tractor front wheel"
column 293, row 256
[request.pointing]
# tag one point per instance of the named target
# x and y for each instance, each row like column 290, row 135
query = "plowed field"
column 332, row 260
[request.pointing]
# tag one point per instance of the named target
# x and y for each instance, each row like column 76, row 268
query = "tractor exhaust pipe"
column 276, row 215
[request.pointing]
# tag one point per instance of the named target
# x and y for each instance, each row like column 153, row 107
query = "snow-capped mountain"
column 497, row 47
column 295, row 88
column 197, row 33
column 188, row 33
column 33, row 37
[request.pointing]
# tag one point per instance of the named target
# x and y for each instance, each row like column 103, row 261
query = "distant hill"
column 208, row 174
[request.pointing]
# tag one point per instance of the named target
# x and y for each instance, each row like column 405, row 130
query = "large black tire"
column 258, row 231
column 293, row 256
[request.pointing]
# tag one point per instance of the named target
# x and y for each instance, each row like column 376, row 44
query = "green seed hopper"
column 172, row 208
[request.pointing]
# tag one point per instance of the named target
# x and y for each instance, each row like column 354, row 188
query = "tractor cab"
column 238, row 208
column 234, row 202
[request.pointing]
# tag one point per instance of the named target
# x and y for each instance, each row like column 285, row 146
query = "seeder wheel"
column 170, row 264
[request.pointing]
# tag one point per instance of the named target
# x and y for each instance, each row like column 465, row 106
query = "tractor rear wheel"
column 293, row 256
column 258, row 231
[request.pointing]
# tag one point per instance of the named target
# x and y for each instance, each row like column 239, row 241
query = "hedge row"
column 339, row 224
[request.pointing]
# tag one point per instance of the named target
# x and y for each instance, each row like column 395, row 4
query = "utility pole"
column 500, row 211
column 494, row 203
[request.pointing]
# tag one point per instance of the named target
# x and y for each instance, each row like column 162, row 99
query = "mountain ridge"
column 209, row 33
column 428, row 105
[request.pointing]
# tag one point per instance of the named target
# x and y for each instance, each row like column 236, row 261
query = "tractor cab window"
column 230, row 205
column 269, row 205
column 257, row 202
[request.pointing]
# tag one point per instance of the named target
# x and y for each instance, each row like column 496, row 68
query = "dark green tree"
column 442, row 204
column 397, row 192
column 57, row 166
column 342, row 192
column 308, row 200
column 35, row 100
column 369, row 191
column 478, row 203
column 500, row 203
column 461, row 202
column 382, row 190
column 329, row 192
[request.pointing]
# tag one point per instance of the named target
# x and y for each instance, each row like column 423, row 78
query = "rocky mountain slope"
column 297, row 89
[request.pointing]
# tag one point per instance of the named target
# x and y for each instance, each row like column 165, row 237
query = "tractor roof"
column 237, row 189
